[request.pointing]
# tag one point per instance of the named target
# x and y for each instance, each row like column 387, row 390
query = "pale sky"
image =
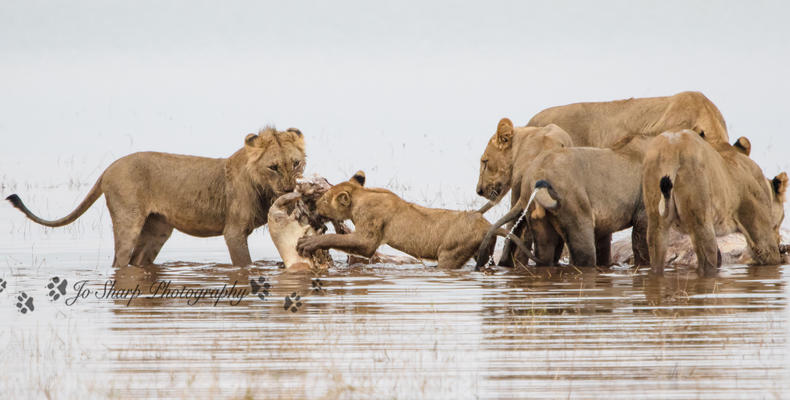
column 410, row 92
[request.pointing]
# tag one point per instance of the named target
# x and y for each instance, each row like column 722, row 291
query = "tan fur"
column 586, row 194
column 544, row 201
column 149, row 194
column 381, row 217
column 716, row 190
column 509, row 153
column 600, row 124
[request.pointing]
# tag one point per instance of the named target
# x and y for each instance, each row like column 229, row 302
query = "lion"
column 706, row 191
column 582, row 195
column 149, row 194
column 381, row 217
column 509, row 153
column 601, row 124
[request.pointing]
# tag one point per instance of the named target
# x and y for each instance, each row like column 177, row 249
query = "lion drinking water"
column 707, row 191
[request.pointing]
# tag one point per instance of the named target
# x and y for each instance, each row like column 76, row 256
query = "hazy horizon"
column 407, row 91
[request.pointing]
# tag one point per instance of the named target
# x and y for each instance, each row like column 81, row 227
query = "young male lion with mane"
column 150, row 194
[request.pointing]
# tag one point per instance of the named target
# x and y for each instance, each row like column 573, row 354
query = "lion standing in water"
column 602, row 124
column 149, row 194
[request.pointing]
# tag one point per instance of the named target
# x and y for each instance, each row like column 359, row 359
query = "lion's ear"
column 344, row 198
column 779, row 184
column 504, row 132
column 743, row 145
column 557, row 137
column 250, row 139
column 358, row 178
column 296, row 131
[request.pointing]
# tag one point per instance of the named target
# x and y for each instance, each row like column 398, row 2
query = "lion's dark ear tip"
column 295, row 130
column 359, row 176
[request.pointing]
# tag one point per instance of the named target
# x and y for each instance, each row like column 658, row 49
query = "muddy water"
column 402, row 332
column 377, row 331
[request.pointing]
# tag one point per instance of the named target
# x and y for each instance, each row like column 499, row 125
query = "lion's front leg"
column 236, row 239
column 353, row 243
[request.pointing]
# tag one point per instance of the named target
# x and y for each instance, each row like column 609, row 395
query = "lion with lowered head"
column 602, row 124
column 507, row 157
column 149, row 194
column 576, row 202
column 381, row 217
column 707, row 191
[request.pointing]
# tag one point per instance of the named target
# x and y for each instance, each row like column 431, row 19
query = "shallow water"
column 380, row 331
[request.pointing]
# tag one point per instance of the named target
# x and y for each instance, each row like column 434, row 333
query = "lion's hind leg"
column 457, row 255
column 452, row 260
column 127, row 224
column 155, row 233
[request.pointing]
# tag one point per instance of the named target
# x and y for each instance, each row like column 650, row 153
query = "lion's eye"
column 273, row 167
column 297, row 164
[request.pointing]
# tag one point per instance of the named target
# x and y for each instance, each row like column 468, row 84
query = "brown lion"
column 381, row 217
column 601, row 124
column 508, row 155
column 582, row 196
column 707, row 191
column 149, row 194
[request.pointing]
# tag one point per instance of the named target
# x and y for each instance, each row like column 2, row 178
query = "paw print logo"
column 292, row 302
column 260, row 287
column 2, row 285
column 318, row 286
column 24, row 303
column 56, row 288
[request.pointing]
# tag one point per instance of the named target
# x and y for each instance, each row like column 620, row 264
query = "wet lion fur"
column 707, row 191
column 507, row 157
column 602, row 124
column 381, row 217
column 582, row 196
column 149, row 194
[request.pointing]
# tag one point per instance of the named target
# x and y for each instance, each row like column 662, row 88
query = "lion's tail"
column 519, row 243
column 92, row 196
column 546, row 196
column 665, row 203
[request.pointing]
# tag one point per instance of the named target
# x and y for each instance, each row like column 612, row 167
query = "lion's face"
column 276, row 158
column 496, row 166
column 336, row 203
